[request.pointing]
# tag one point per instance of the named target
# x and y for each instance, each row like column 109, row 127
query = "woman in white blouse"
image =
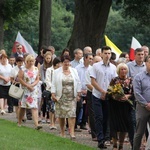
column 5, row 71
column 48, row 81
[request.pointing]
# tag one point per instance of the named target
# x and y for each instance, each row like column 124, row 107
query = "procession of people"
column 109, row 99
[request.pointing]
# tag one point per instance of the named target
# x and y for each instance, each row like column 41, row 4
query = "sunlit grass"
column 24, row 138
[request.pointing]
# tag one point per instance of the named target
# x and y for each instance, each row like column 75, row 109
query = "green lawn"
column 24, row 138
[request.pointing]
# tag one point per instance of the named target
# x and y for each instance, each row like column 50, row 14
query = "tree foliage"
column 140, row 10
column 69, row 5
column 14, row 8
column 10, row 10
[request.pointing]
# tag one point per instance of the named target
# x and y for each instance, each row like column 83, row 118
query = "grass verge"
column 24, row 138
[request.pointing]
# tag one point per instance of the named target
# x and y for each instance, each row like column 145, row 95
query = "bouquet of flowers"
column 117, row 92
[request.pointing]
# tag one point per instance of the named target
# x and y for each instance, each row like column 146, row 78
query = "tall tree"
column 1, row 23
column 89, row 23
column 45, row 23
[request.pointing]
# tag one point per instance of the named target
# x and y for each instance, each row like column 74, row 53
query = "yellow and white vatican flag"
column 113, row 47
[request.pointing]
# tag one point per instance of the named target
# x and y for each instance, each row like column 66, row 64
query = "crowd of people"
column 94, row 92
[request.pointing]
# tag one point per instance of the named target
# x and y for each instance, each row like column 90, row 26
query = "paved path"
column 81, row 137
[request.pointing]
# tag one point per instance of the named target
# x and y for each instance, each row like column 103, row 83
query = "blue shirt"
column 141, row 85
column 134, row 68
column 75, row 63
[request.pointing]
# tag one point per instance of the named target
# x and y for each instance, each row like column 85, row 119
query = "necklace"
column 66, row 72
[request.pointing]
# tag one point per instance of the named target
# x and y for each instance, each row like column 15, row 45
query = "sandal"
column 120, row 147
column 38, row 127
column 115, row 147
column 72, row 137
column 24, row 120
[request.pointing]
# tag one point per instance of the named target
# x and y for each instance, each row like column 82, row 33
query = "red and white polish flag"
column 134, row 45
column 26, row 46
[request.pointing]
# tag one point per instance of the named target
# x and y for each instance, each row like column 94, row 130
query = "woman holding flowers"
column 120, row 94
column 29, row 78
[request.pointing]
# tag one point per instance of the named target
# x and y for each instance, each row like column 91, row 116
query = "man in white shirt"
column 89, row 99
column 101, row 75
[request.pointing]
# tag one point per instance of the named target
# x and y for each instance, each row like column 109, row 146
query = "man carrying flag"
column 19, row 51
column 26, row 47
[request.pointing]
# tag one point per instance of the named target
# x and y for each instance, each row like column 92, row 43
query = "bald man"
column 96, row 59
column 146, row 50
column 86, row 50
column 98, row 52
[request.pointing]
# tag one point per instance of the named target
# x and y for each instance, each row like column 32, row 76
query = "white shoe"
column 43, row 121
column 3, row 112
column 53, row 128
column 107, row 143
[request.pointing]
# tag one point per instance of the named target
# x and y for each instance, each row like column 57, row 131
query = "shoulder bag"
column 15, row 92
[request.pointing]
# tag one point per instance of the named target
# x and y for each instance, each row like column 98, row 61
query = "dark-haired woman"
column 125, row 55
column 65, row 52
column 14, row 80
column 48, row 81
column 66, row 88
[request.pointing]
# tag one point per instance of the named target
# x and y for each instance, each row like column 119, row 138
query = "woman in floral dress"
column 29, row 78
column 120, row 108
column 66, row 88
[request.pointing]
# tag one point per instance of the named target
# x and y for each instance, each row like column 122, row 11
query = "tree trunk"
column 89, row 23
column 1, row 24
column 45, row 23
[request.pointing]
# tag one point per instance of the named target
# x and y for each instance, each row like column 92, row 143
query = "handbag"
column 46, row 95
column 15, row 92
